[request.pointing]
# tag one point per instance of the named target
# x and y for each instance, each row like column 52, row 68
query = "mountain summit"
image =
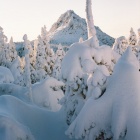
column 70, row 27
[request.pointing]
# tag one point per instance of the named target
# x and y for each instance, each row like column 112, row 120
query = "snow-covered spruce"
column 27, row 76
column 138, row 43
column 3, row 48
column 116, row 113
column 120, row 45
column 132, row 41
column 17, row 71
column 44, row 57
column 82, row 60
column 12, row 49
column 60, row 53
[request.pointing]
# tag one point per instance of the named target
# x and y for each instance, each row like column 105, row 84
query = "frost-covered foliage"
column 60, row 53
column 138, row 44
column 97, row 82
column 44, row 57
column 41, row 59
column 12, row 49
column 9, row 53
column 132, row 38
column 3, row 38
column 17, row 71
column 120, row 45
column 27, row 74
column 84, row 59
column 116, row 113
column 3, row 48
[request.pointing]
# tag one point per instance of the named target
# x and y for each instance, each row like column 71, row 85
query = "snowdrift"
column 19, row 120
column 6, row 75
column 45, row 94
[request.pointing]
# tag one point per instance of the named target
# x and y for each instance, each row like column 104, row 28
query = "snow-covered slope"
column 70, row 27
column 21, row 121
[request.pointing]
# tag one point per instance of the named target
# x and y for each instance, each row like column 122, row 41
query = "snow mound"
column 14, row 90
column 23, row 121
column 48, row 93
column 69, row 28
column 116, row 113
column 6, row 75
column 13, row 130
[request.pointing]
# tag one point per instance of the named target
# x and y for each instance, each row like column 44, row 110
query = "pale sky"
column 19, row 17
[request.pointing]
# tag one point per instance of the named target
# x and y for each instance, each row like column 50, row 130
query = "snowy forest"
column 87, row 89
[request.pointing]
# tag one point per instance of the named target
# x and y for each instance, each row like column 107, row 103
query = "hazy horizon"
column 20, row 17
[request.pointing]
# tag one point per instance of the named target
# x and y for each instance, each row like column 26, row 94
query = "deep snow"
column 20, row 120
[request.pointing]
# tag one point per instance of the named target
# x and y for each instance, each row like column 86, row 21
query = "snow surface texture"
column 70, row 28
column 21, row 121
column 116, row 113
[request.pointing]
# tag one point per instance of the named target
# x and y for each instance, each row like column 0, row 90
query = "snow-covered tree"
column 90, row 24
column 58, row 60
column 3, row 38
column 12, row 49
column 9, row 53
column 45, row 57
column 138, row 44
column 3, row 48
column 44, row 34
column 79, row 62
column 27, row 77
column 41, row 59
column 17, row 71
column 120, row 45
column 89, row 19
column 116, row 113
column 138, row 48
column 132, row 39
